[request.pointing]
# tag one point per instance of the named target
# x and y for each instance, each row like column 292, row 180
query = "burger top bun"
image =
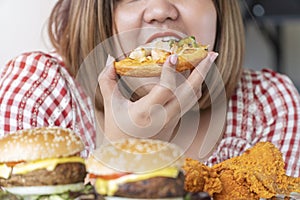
column 134, row 156
column 39, row 143
column 94, row 166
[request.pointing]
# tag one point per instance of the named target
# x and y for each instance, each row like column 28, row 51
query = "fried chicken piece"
column 234, row 188
column 257, row 173
column 261, row 170
column 199, row 177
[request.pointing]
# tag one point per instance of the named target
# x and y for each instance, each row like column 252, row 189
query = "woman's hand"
column 156, row 114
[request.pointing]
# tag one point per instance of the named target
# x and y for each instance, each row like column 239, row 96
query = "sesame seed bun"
column 39, row 143
column 94, row 166
column 134, row 156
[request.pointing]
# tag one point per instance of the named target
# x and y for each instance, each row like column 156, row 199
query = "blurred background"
column 23, row 27
column 272, row 32
column 273, row 36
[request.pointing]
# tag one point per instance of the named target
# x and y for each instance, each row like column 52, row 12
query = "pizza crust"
column 188, row 58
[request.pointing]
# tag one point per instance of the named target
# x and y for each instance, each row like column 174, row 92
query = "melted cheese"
column 109, row 187
column 160, row 50
column 5, row 171
column 138, row 54
column 48, row 164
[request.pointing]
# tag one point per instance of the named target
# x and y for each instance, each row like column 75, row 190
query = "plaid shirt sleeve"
column 36, row 90
column 265, row 107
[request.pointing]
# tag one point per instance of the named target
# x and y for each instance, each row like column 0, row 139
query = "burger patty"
column 66, row 173
column 158, row 187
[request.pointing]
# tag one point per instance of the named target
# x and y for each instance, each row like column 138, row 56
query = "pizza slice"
column 147, row 60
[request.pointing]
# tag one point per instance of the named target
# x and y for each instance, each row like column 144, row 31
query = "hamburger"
column 137, row 169
column 41, row 161
column 147, row 60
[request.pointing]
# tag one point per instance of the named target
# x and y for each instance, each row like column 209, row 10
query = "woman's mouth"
column 164, row 37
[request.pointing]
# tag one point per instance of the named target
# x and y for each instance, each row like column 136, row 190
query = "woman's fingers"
column 162, row 92
column 188, row 93
column 108, row 81
column 149, row 111
column 168, row 75
column 164, row 102
column 199, row 73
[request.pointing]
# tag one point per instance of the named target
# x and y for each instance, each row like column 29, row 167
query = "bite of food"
column 147, row 60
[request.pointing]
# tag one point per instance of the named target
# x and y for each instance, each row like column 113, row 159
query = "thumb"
column 107, row 80
column 108, row 72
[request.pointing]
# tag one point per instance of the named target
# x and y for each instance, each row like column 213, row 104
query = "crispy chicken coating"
column 199, row 177
column 258, row 173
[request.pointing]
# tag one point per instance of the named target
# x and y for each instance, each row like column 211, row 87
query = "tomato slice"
column 108, row 177
column 12, row 164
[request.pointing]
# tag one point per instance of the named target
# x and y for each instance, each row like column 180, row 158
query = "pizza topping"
column 138, row 53
column 159, row 54
column 146, row 60
column 188, row 41
column 161, row 49
column 187, row 51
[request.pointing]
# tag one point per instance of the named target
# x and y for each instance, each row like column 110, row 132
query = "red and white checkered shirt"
column 36, row 90
column 265, row 107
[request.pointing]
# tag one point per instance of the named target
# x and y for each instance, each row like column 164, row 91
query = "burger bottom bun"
column 44, row 190
column 124, row 198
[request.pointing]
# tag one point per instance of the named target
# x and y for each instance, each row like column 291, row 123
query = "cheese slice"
column 109, row 187
column 48, row 164
column 5, row 171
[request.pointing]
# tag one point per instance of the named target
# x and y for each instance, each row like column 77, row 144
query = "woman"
column 254, row 106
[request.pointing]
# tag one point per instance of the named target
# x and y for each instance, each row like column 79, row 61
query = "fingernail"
column 173, row 59
column 109, row 60
column 213, row 57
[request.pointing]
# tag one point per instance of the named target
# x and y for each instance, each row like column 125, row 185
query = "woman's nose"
column 160, row 11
